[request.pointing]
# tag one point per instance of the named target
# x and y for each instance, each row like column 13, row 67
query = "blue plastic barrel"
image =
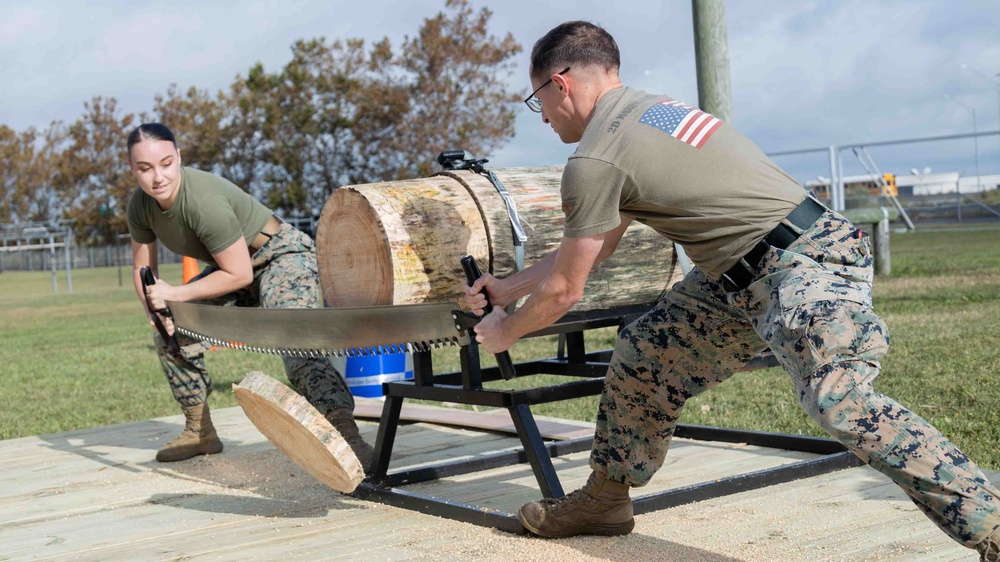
column 365, row 375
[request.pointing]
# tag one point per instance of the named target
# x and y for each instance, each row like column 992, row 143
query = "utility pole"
column 975, row 141
column 711, row 54
column 987, row 80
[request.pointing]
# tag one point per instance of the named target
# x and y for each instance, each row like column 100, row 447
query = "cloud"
column 804, row 73
column 27, row 25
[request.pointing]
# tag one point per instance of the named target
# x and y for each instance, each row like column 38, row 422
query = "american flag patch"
column 685, row 123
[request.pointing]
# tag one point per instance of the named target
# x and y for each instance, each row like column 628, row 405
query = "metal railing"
column 837, row 200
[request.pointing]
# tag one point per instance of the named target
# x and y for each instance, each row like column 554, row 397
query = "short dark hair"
column 155, row 131
column 572, row 43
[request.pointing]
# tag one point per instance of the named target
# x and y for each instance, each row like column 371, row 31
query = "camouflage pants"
column 285, row 275
column 811, row 304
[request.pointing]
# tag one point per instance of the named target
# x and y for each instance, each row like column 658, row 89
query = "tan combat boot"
column 198, row 437
column 600, row 507
column 342, row 419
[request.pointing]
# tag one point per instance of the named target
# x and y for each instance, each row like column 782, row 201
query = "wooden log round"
column 401, row 242
column 291, row 423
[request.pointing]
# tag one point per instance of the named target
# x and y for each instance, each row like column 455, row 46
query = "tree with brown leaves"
column 339, row 112
column 28, row 171
column 342, row 113
column 93, row 179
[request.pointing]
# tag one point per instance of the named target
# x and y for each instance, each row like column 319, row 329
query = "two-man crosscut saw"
column 339, row 332
column 309, row 332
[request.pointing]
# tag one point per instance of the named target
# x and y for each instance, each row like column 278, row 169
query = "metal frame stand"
column 466, row 387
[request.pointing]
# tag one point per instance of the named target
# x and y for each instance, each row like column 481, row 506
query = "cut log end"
column 299, row 431
column 351, row 226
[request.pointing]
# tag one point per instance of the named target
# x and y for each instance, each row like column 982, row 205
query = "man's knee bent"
column 837, row 394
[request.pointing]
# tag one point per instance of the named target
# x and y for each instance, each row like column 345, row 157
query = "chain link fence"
column 111, row 255
column 39, row 252
column 949, row 208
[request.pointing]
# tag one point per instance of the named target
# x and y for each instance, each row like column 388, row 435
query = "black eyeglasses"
column 534, row 103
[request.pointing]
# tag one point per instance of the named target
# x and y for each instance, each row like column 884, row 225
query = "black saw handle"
column 471, row 274
column 149, row 279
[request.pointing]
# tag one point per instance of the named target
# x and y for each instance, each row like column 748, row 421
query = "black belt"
column 741, row 275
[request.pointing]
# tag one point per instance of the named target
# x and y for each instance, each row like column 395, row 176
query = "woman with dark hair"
column 253, row 259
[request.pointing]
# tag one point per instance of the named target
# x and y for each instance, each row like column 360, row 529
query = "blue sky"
column 804, row 73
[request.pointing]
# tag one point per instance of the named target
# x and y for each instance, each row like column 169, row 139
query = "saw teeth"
column 353, row 352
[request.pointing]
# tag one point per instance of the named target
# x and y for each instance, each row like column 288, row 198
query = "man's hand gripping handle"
column 471, row 274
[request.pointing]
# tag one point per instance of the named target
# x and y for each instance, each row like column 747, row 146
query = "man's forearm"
column 546, row 304
column 525, row 282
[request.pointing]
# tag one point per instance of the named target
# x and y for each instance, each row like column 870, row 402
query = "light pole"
column 987, row 78
column 975, row 140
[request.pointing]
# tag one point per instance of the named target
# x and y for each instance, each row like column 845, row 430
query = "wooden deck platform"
column 97, row 494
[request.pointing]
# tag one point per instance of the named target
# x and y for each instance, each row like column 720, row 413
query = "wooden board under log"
column 401, row 242
column 294, row 426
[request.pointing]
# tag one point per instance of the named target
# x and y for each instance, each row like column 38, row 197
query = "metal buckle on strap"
column 742, row 273
column 729, row 280
column 746, row 267
column 802, row 216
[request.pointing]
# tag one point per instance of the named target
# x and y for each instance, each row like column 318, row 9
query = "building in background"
column 914, row 185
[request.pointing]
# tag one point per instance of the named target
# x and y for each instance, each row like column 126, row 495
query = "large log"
column 401, row 242
column 294, row 426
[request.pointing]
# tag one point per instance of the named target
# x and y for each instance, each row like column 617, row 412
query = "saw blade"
column 311, row 332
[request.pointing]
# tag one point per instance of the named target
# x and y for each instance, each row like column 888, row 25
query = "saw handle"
column 472, row 273
column 148, row 279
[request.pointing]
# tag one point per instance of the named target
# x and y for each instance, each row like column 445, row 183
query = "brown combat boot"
column 198, row 437
column 600, row 507
column 989, row 549
column 342, row 419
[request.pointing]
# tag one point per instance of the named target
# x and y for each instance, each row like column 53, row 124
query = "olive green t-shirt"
column 208, row 216
column 690, row 177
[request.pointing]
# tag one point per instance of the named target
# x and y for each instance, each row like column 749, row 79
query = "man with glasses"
column 533, row 102
column 774, row 269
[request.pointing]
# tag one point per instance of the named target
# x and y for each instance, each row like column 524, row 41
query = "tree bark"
column 401, row 242
column 299, row 431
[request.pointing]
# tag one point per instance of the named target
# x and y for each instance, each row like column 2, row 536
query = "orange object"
column 189, row 269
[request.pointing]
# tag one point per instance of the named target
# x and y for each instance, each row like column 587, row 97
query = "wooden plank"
column 252, row 502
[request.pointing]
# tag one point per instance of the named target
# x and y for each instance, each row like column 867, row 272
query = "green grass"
column 86, row 358
column 77, row 360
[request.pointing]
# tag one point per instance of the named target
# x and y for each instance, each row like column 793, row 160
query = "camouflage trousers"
column 811, row 304
column 285, row 275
